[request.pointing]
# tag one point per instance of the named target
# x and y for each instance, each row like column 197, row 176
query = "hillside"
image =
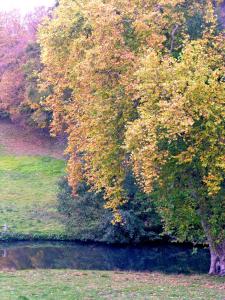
column 30, row 165
column 22, row 141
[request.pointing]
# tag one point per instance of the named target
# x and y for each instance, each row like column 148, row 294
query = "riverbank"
column 81, row 285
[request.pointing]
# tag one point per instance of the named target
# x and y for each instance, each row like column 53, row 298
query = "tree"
column 16, row 37
column 90, row 51
column 13, row 39
column 177, row 143
column 142, row 86
column 32, row 108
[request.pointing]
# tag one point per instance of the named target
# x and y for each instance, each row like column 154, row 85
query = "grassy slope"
column 74, row 285
column 28, row 185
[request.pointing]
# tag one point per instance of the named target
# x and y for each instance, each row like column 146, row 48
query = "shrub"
column 86, row 218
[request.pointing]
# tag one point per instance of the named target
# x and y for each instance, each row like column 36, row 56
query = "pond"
column 88, row 256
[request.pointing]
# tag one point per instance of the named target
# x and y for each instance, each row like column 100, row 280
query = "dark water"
column 80, row 256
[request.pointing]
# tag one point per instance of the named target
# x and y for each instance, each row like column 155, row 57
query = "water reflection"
column 162, row 258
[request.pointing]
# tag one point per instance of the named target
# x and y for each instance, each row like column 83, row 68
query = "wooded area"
column 139, row 91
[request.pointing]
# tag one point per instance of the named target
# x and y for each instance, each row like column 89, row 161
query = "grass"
column 81, row 285
column 28, row 186
column 28, row 196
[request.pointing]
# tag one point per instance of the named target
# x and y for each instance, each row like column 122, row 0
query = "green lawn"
column 28, row 196
column 74, row 285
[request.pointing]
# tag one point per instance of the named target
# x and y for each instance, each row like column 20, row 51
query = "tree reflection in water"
column 81, row 256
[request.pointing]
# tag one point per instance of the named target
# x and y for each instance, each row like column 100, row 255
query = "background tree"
column 17, row 36
column 13, row 37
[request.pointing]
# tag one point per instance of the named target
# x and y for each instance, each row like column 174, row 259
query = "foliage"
column 146, row 86
column 32, row 108
column 86, row 218
column 19, row 51
column 93, row 49
column 184, row 145
column 182, row 149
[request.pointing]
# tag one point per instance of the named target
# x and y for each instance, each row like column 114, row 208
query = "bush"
column 86, row 219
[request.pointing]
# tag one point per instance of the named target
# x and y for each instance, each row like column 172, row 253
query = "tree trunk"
column 222, row 265
column 217, row 250
column 217, row 253
column 217, row 266
column 213, row 263
column 221, row 252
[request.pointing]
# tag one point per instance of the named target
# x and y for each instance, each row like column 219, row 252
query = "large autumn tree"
column 177, row 142
column 91, row 50
column 142, row 86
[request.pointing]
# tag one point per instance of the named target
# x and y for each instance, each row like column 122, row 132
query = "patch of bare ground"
column 24, row 141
